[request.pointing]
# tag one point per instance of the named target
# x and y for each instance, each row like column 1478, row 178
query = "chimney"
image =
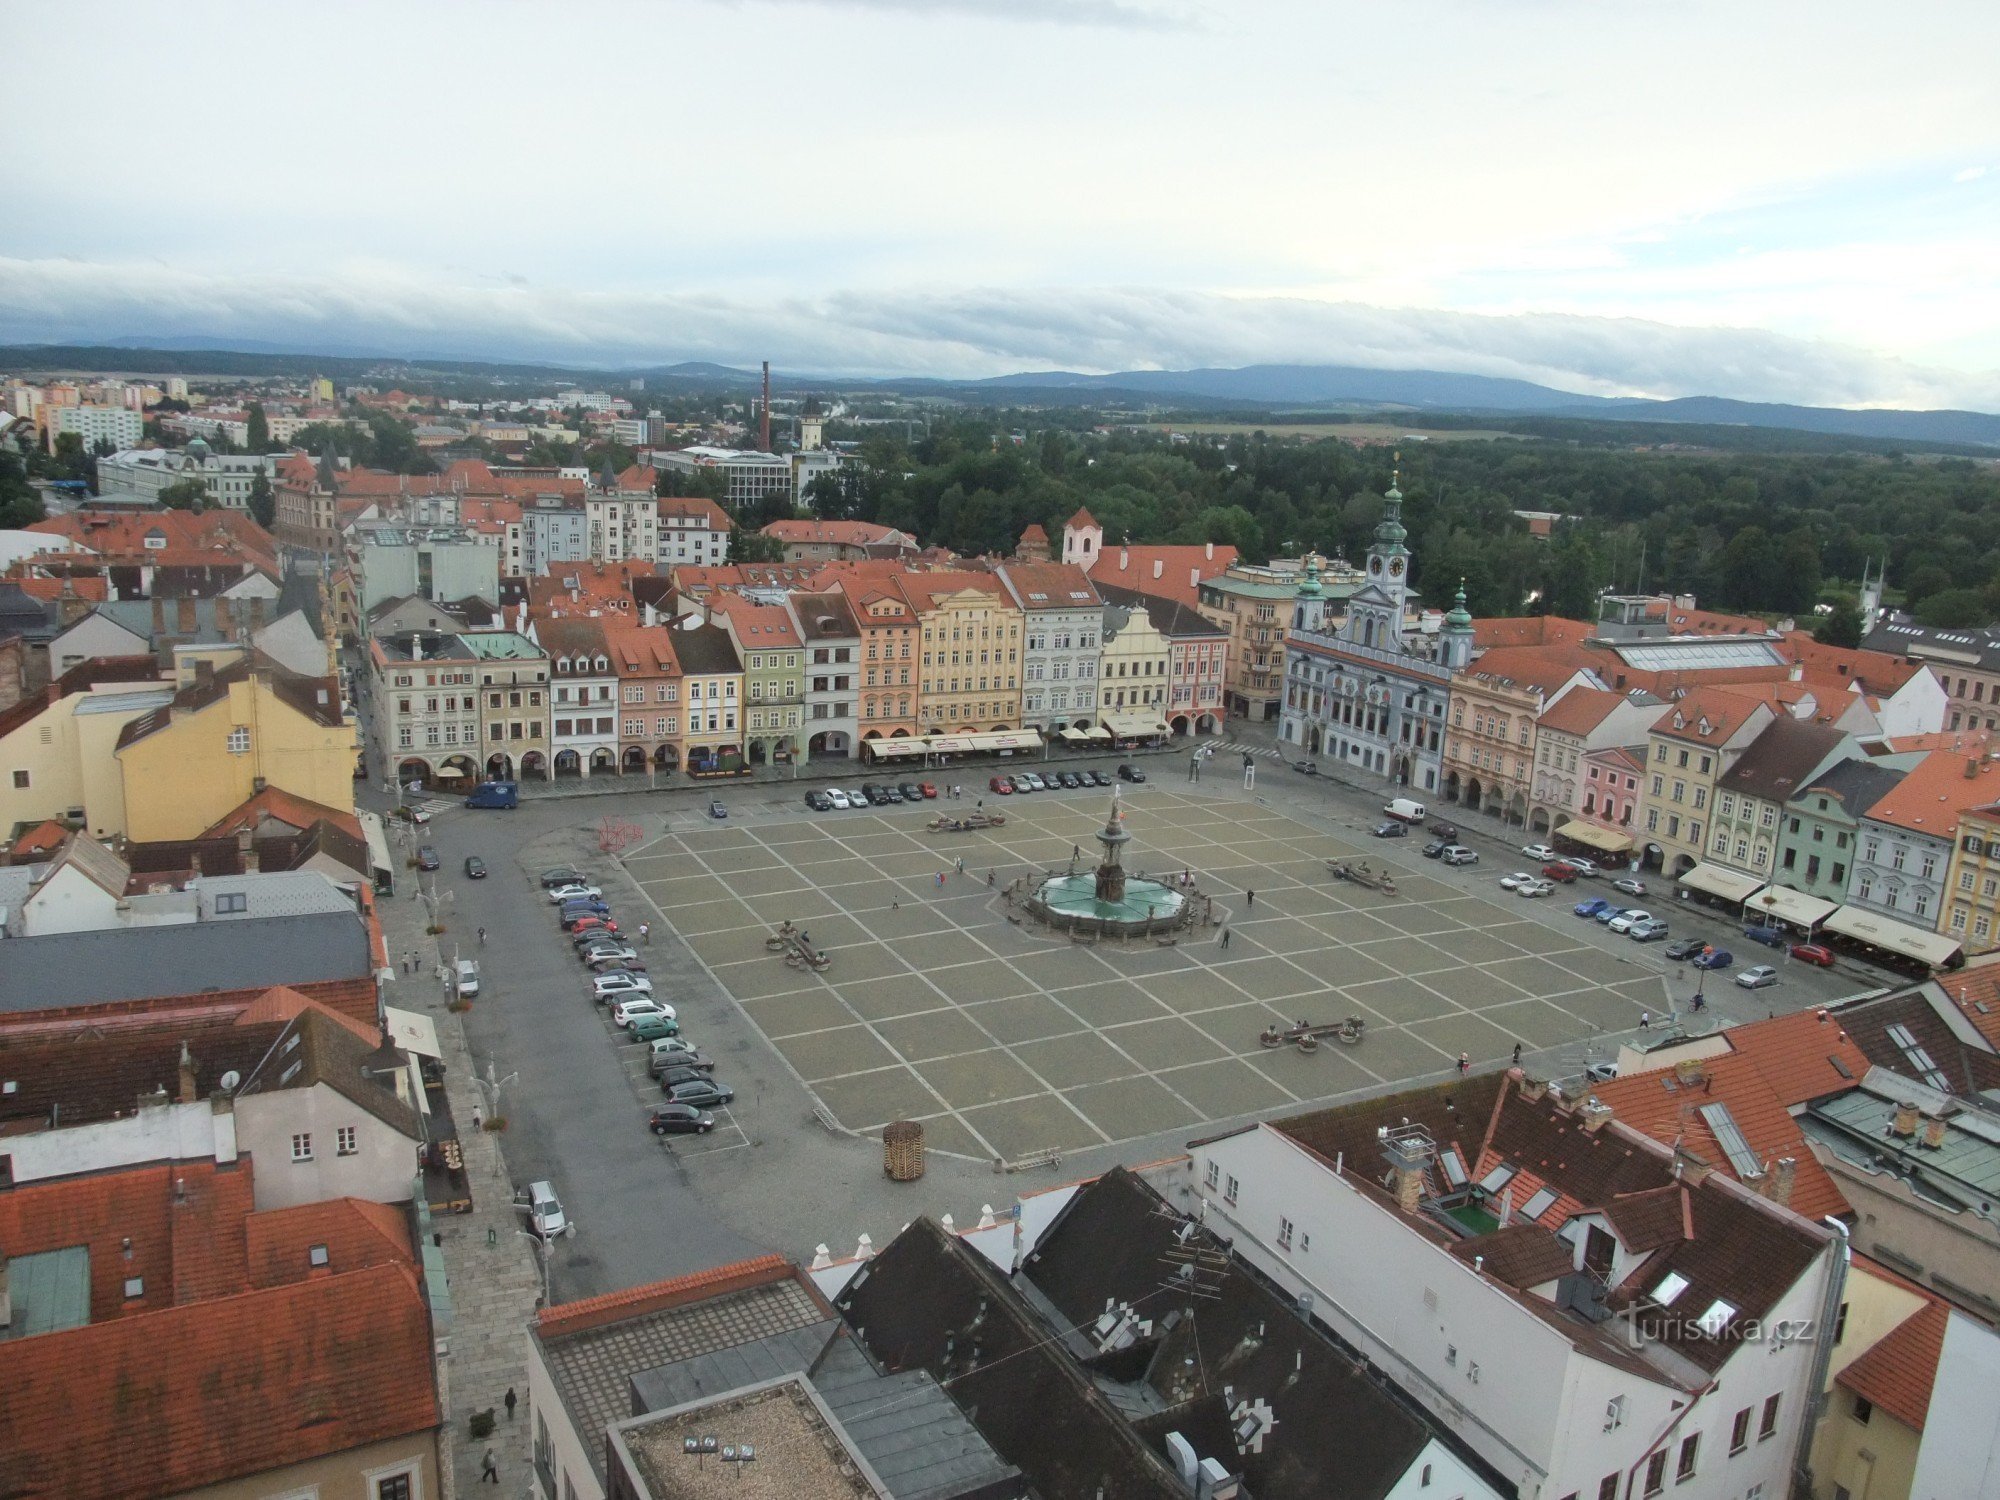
column 1159, row 566
column 1124, row 559
column 1905, row 1124
column 246, row 851
column 1782, row 1177
column 224, row 616
column 1595, row 1112
column 1408, row 1185
column 1532, row 1089
column 1934, row 1134
column 187, row 615
column 1209, row 551
column 187, row 1093
column 159, row 616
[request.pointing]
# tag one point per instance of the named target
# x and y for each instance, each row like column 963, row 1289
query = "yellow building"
column 58, row 747
column 969, row 645
column 1884, row 1360
column 1133, row 672
column 1971, row 909
column 1692, row 743
column 224, row 739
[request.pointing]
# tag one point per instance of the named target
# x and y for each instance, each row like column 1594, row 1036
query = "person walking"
column 646, row 933
column 489, row 1467
column 1225, row 937
column 1464, row 1065
column 1517, row 1054
column 1645, row 1020
column 482, row 937
column 511, row 1400
column 1249, row 898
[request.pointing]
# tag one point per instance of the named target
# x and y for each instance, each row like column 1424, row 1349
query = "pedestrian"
column 646, row 932
column 1464, row 1065
column 511, row 1400
column 1249, row 898
column 489, row 1467
column 482, row 937
column 1075, row 853
column 1645, row 1020
column 961, row 864
column 940, row 879
column 1225, row 937
column 989, row 877
column 1517, row 1054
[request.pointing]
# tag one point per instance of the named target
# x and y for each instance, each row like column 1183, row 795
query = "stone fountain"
column 1107, row 901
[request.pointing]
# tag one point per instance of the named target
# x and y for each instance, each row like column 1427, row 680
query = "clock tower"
column 1375, row 614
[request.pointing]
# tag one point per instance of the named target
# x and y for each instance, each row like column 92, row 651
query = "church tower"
column 1457, row 643
column 1309, row 602
column 1375, row 614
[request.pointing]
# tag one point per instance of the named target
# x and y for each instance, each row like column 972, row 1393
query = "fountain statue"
column 1108, row 902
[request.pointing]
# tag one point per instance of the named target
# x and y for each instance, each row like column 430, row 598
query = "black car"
column 1436, row 847
column 678, row 1058
column 475, row 867
column 703, row 1095
column 911, row 792
column 1071, row 780
column 564, row 875
column 873, row 792
column 819, row 802
column 427, row 858
column 890, row 794
column 1392, row 830
column 1099, row 778
column 1130, row 773
column 1682, row 948
column 679, row 1119
column 675, row 1074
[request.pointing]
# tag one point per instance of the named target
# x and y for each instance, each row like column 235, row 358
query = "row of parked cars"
column 619, row 980
column 1025, row 782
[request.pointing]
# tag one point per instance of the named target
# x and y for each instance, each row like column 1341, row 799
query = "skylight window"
column 317, row 1255
column 1716, row 1318
column 1538, row 1205
column 1671, row 1286
column 1498, row 1178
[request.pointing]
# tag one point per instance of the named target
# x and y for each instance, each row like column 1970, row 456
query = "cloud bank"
column 963, row 334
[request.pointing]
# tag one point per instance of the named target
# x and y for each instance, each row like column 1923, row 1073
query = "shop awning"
column 1135, row 726
column 1713, row 880
column 1787, row 905
column 1073, row 735
column 411, row 1030
column 895, row 749
column 1097, row 732
column 1013, row 739
column 1606, row 840
column 1892, row 936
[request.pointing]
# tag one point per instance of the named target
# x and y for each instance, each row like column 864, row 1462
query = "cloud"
column 1970, row 174
column 951, row 334
column 1131, row 15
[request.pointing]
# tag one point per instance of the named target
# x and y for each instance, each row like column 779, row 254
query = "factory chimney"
column 764, row 426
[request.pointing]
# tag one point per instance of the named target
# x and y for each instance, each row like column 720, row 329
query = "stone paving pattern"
column 1004, row 1040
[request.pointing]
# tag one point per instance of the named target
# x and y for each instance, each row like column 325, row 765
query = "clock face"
column 1396, row 566
column 1374, row 564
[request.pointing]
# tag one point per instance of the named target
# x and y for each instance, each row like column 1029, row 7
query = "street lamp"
column 541, row 1256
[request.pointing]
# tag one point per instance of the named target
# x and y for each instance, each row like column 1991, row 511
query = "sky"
column 1767, row 200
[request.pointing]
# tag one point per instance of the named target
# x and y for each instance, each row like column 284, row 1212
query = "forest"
column 1756, row 531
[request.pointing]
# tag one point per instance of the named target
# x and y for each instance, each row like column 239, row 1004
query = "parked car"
column 819, row 802
column 414, row 814
column 1306, row 767
column 674, row 1074
column 1391, row 830
column 706, row 1094
column 1579, row 864
column 603, row 956
column 475, row 867
column 1022, row 786
column 1100, row 778
column 855, row 799
column 628, row 1010
column 1681, row 949
column 595, row 904
column 1458, row 854
column 1446, row 831
column 1435, row 847
column 1002, row 785
column 1812, row 953
column 911, row 792
column 1517, row 878
column 561, row 893
column 680, row 1119
column 1559, row 872
column 1071, row 781
column 605, row 986
column 1535, row 886
column 835, row 796
column 655, row 1028
column 928, row 788
column 1627, row 919
column 590, row 924
column 1762, row 977
column 1714, row 958
column 1629, row 885
column 1591, row 907
column 1600, row 1072
column 1652, row 930
column 546, row 1219
column 673, row 1051
column 1130, row 773
column 1538, row 851
column 427, row 858
column 717, row 810
column 891, row 796
column 563, row 875
column 1770, row 937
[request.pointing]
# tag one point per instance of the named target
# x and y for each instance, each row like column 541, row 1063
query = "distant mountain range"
column 1293, row 389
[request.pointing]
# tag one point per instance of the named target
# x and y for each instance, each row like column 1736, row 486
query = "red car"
column 1560, row 873
column 927, row 788
column 1001, row 785
column 581, row 925
column 1812, row 953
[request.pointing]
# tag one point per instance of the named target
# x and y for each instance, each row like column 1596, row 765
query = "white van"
column 1403, row 809
column 467, row 977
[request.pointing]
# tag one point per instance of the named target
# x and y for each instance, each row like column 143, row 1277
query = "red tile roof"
column 1875, row 671
column 1534, row 630
column 355, row 1233
column 1175, row 573
column 1580, row 710
column 1722, row 712
column 695, row 508
column 837, row 533
column 1034, row 533
column 1974, row 992
column 1930, row 798
column 1541, row 667
column 1898, row 1374
column 43, row 839
column 274, row 802
column 1081, row 518
column 192, row 1396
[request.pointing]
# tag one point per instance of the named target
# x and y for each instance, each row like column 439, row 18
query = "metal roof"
column 1698, row 653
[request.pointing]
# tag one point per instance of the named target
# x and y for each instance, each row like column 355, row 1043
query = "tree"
column 1953, row 609
column 263, row 504
column 185, row 494
column 1843, row 626
column 260, row 429
column 1574, row 576
column 746, row 546
column 20, row 503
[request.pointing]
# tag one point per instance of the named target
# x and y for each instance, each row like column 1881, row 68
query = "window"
column 1768, row 1426
column 231, row 901
column 302, row 1146
column 1607, row 1487
column 1864, row 1409
column 1229, row 1192
column 1656, row 1474
column 347, row 1141
column 20, row 781
column 1214, row 1174
column 394, row 1487
column 1284, row 1234
column 1739, row 1431
column 239, row 740
column 1684, row 1470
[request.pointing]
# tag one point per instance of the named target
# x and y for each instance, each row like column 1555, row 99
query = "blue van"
column 495, row 794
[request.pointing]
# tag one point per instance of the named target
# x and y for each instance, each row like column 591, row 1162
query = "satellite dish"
column 229, row 1080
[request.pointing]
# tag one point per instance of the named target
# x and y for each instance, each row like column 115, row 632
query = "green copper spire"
column 1309, row 585
column 1460, row 617
column 1390, row 535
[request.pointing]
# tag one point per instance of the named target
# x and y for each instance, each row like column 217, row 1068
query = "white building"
column 751, row 475
column 832, row 640
column 624, row 524
column 583, row 737
column 1062, row 643
column 1592, row 1315
column 119, row 426
column 693, row 530
column 135, row 476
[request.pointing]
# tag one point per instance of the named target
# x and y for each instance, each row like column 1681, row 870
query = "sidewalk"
column 491, row 1268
